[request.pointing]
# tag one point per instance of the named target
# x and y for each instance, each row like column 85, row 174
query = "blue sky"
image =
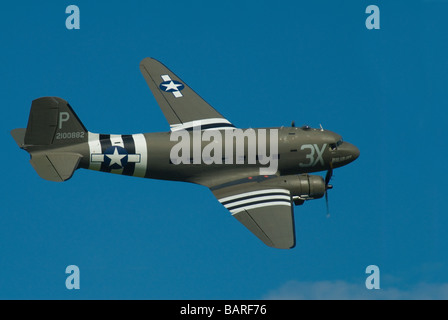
column 260, row 64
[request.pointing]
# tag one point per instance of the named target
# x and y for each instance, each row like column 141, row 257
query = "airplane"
column 262, row 198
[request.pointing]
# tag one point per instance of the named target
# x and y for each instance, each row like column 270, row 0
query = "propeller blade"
column 329, row 175
column 328, row 186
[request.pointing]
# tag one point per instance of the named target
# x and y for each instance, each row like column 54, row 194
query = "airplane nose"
column 345, row 154
column 353, row 150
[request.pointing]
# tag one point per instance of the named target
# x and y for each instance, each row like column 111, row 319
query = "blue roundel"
column 115, row 157
column 171, row 86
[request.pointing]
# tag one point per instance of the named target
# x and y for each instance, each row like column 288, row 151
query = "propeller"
column 328, row 186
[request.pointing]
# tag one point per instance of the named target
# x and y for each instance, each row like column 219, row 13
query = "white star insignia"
column 172, row 86
column 115, row 158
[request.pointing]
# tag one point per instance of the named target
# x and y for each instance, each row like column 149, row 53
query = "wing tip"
column 284, row 246
column 148, row 60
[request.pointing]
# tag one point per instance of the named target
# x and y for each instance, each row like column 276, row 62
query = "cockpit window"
column 334, row 146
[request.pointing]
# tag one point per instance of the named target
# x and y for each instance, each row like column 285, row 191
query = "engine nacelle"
column 304, row 187
column 308, row 187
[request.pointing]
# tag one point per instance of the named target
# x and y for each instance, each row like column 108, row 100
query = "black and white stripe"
column 129, row 145
column 135, row 146
column 256, row 199
column 204, row 124
column 105, row 142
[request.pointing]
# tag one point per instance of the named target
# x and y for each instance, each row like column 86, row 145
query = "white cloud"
column 342, row 290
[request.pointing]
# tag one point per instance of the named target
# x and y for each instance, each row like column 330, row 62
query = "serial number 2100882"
column 70, row 135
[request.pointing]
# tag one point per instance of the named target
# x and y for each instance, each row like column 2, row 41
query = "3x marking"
column 314, row 156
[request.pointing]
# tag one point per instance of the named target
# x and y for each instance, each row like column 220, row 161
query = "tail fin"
column 53, row 121
column 52, row 124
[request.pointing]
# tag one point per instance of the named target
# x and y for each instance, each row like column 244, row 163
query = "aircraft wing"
column 182, row 107
column 267, row 212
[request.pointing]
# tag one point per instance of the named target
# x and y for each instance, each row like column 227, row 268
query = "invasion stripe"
column 135, row 146
column 257, row 200
column 117, row 141
column 280, row 195
column 129, row 145
column 236, row 206
column 94, row 148
column 105, row 143
column 140, row 148
column 260, row 205
column 202, row 123
column 215, row 126
column 251, row 193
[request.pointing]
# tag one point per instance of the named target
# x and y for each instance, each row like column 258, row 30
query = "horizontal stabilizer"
column 55, row 166
column 19, row 136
